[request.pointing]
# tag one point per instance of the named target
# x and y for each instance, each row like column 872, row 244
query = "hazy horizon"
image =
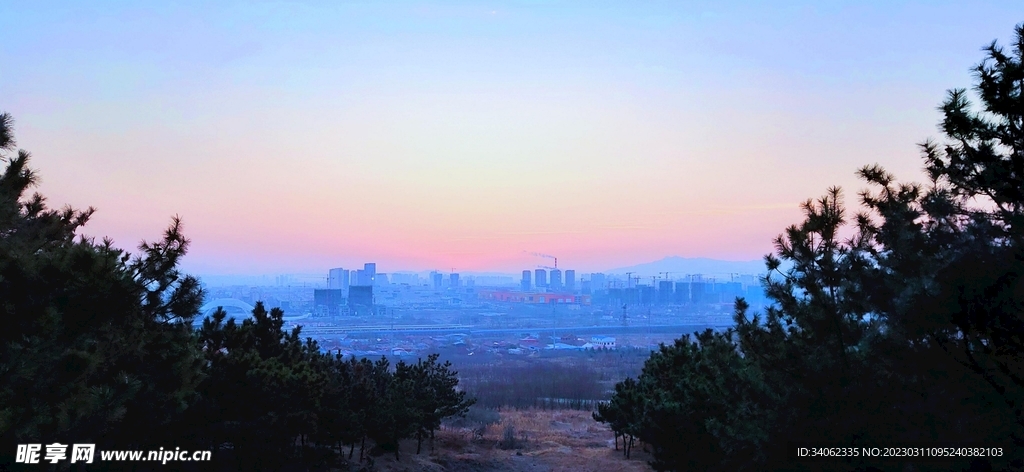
column 296, row 137
column 674, row 267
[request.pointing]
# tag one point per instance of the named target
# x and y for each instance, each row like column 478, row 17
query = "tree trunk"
column 419, row 441
column 397, row 449
column 616, row 441
column 351, row 450
column 362, row 446
column 431, row 440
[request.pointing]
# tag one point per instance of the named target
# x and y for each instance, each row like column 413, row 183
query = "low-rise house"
column 603, row 342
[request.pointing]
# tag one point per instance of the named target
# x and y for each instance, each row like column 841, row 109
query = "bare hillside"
column 522, row 441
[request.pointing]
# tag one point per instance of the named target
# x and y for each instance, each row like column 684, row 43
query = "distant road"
column 473, row 331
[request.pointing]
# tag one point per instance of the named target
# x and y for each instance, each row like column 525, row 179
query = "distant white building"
column 602, row 342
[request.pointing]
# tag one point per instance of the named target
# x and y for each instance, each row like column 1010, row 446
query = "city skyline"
column 292, row 138
column 666, row 269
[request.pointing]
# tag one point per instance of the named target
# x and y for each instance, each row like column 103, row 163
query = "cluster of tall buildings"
column 542, row 279
column 695, row 291
column 614, row 289
column 342, row 279
column 354, row 289
column 347, row 288
column 437, row 280
column 668, row 292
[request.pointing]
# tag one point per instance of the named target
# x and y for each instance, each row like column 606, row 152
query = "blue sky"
column 297, row 136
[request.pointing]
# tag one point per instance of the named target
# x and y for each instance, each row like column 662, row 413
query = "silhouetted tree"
column 909, row 330
column 393, row 408
column 436, row 396
column 97, row 343
column 98, row 346
column 264, row 389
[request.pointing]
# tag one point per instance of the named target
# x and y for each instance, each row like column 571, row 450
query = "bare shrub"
column 508, row 439
column 538, row 384
column 475, row 417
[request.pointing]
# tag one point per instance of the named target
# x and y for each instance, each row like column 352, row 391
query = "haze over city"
column 296, row 137
column 512, row 236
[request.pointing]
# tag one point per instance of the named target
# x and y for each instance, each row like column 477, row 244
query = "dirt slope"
column 545, row 441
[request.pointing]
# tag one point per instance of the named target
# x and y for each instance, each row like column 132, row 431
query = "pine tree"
column 265, row 390
column 436, row 397
column 97, row 344
column 907, row 331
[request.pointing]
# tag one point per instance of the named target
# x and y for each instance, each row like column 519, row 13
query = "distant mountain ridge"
column 679, row 266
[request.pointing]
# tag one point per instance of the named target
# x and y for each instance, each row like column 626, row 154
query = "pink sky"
column 439, row 138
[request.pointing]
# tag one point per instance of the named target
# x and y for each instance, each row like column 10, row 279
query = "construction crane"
column 629, row 276
column 666, row 274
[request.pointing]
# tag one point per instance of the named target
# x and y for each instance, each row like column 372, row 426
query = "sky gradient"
column 299, row 136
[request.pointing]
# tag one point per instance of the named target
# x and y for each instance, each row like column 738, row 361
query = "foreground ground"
column 545, row 441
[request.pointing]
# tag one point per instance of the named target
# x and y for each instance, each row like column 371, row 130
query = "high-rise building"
column 405, row 279
column 598, row 282
column 556, row 279
column 570, row 280
column 525, row 284
column 665, row 292
column 730, row 290
column 361, row 278
column 631, row 295
column 370, row 268
column 329, row 300
column 697, row 294
column 437, row 279
column 682, row 294
column 755, row 294
column 337, row 279
column 646, row 293
column 540, row 279
column 360, row 298
column 453, row 280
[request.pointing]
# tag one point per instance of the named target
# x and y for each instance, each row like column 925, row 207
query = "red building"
column 511, row 296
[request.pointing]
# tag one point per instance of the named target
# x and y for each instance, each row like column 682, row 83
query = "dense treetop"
column 908, row 331
column 98, row 347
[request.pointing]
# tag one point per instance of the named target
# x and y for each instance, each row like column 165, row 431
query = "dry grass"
column 546, row 441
